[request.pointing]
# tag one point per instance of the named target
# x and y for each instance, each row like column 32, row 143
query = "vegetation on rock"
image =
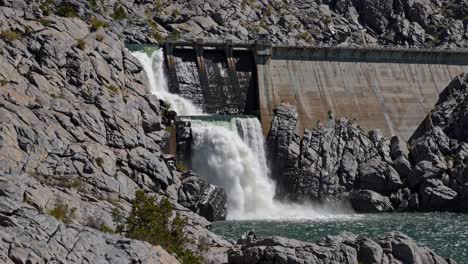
column 62, row 212
column 119, row 12
column 10, row 35
column 66, row 10
column 97, row 24
column 154, row 223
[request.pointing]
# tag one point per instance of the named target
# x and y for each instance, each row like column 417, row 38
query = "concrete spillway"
column 389, row 89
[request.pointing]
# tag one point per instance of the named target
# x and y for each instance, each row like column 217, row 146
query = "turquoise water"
column 445, row 233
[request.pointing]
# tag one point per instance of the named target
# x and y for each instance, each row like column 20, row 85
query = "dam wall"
column 219, row 78
column 389, row 89
column 385, row 88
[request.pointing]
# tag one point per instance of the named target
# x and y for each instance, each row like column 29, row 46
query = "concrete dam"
column 385, row 88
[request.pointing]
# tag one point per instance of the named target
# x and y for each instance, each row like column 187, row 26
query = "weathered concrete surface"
column 220, row 80
column 391, row 90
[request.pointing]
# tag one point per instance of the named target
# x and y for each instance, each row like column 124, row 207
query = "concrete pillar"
column 171, row 68
column 202, row 73
column 231, row 64
column 262, row 54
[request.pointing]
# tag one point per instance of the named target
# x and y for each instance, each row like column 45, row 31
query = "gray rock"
column 367, row 201
column 32, row 237
column 435, row 196
column 378, row 176
column 345, row 248
column 203, row 198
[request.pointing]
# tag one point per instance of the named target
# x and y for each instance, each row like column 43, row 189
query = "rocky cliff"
column 337, row 160
column 421, row 23
column 80, row 130
column 363, row 22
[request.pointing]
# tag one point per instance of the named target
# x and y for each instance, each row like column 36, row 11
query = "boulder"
column 378, row 176
column 203, row 198
column 367, row 201
column 435, row 196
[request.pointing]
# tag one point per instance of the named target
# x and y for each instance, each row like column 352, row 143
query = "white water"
column 231, row 155
column 154, row 69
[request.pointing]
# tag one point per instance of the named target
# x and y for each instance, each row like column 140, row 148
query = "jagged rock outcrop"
column 345, row 248
column 203, row 198
column 331, row 160
column 439, row 151
column 422, row 23
column 371, row 22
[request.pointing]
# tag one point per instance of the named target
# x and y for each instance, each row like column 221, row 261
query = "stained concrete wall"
column 392, row 90
column 220, row 79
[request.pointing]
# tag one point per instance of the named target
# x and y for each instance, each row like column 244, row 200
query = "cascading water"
column 228, row 154
column 154, row 69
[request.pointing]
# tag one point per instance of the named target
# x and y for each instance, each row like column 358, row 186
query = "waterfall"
column 154, row 68
column 237, row 164
column 229, row 154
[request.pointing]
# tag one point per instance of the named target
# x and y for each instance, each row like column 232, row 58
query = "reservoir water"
column 445, row 233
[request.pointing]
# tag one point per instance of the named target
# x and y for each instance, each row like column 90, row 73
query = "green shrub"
column 113, row 88
column 62, row 212
column 176, row 13
column 55, row 96
column 92, row 4
column 45, row 22
column 151, row 222
column 306, row 37
column 3, row 82
column 99, row 37
column 96, row 24
column 81, row 44
column 98, row 224
column 45, row 7
column 175, row 35
column 10, row 35
column 99, row 161
column 181, row 167
column 119, row 12
column 449, row 158
column 63, row 182
column 66, row 10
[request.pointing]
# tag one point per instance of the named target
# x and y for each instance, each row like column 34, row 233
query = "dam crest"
column 391, row 89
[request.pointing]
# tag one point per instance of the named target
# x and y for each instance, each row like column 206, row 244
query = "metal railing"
column 217, row 42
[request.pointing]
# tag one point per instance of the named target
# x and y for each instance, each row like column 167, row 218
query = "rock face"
column 331, row 160
column 337, row 158
column 345, row 248
column 422, row 23
column 439, row 151
column 32, row 237
column 367, row 22
column 79, row 127
column 203, row 198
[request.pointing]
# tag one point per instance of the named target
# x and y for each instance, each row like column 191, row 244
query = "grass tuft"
column 81, row 44
column 62, row 212
column 100, row 37
column 10, row 35
column 97, row 24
